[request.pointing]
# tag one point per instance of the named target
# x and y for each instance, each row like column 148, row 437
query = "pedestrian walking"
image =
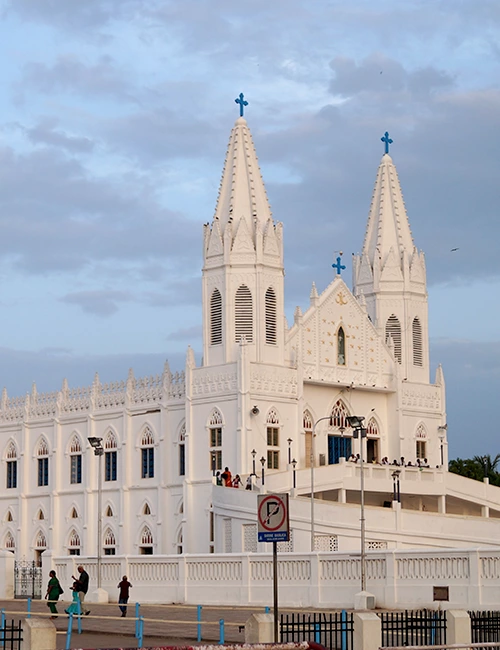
column 83, row 586
column 54, row 590
column 124, row 587
column 75, row 607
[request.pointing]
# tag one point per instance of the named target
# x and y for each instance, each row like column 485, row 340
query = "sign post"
column 273, row 526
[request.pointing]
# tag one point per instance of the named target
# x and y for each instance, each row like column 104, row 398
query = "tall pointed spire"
column 388, row 227
column 242, row 192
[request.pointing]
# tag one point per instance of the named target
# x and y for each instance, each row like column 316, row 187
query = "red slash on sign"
column 272, row 512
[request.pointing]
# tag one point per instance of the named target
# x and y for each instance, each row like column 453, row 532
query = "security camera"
column 255, row 410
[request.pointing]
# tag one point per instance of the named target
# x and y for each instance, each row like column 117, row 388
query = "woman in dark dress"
column 53, row 592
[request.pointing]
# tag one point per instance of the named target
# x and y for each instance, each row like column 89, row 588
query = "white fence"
column 398, row 579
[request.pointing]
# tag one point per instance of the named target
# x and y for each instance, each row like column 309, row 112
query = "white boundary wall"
column 398, row 579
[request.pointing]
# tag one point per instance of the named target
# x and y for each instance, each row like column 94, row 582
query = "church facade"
column 253, row 406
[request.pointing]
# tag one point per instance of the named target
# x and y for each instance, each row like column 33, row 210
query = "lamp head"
column 355, row 421
column 95, row 442
column 255, row 410
column 254, row 453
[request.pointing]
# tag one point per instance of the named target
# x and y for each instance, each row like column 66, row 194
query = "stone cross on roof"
column 340, row 267
column 241, row 101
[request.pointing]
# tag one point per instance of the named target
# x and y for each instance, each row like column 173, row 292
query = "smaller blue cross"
column 241, row 101
column 387, row 141
column 340, row 267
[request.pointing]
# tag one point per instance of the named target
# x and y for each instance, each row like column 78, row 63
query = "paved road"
column 163, row 624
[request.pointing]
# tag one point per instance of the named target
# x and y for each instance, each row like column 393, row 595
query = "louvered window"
column 393, row 330
column 417, row 343
column 243, row 314
column 216, row 318
column 270, row 316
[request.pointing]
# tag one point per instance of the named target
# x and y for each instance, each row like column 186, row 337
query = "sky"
column 114, row 122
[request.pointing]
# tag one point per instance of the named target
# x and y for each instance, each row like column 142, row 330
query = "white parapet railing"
column 403, row 578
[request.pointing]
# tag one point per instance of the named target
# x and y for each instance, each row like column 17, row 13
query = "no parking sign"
column 273, row 518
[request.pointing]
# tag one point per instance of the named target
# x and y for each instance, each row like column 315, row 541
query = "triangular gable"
column 215, row 246
column 243, row 242
column 392, row 268
column 270, row 242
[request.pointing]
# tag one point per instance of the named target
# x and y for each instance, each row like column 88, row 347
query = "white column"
column 367, row 631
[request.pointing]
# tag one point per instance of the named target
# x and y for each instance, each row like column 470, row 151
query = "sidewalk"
column 163, row 624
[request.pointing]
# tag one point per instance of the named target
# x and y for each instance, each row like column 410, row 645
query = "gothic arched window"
column 215, row 440
column 42, row 453
column 339, row 415
column 215, row 318
column 393, row 330
column 273, row 439
column 243, row 314
column 417, row 343
column 182, row 451
column 10, row 543
column 74, row 545
column 271, row 330
column 372, row 428
column 11, row 465
column 146, row 545
column 40, row 541
column 341, row 347
column 421, row 442
column 75, row 451
column 147, row 453
column 109, row 542
column 307, row 424
column 110, row 457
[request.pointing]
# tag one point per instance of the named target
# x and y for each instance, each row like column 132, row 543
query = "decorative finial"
column 387, row 141
column 242, row 102
column 338, row 266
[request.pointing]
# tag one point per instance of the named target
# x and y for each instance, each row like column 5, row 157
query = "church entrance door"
column 338, row 447
column 371, row 450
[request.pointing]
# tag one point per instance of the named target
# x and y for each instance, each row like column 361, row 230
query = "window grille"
column 339, row 415
column 74, row 542
column 393, row 330
column 11, row 452
column 43, row 449
column 111, row 442
column 373, row 545
column 43, row 471
column 215, row 318
column 148, row 462
column 307, row 421
column 250, row 538
column 271, row 329
column 109, row 538
column 326, row 543
column 417, row 343
column 286, row 547
column 243, row 312
column 76, row 468
column 341, row 347
column 421, row 432
column 9, row 541
column 146, row 546
column 228, row 536
column 75, row 447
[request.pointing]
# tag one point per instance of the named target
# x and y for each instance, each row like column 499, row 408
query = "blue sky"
column 114, row 124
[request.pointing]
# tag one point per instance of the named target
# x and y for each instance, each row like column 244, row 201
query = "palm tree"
column 488, row 466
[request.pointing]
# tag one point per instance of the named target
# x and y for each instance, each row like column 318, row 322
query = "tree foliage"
column 477, row 468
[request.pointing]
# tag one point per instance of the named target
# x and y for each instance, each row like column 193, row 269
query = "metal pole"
column 363, row 556
column 312, row 457
column 275, row 589
column 99, row 520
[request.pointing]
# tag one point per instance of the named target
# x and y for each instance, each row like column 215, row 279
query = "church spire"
column 242, row 193
column 390, row 273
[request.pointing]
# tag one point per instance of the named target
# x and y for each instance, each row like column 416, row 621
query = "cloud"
column 100, row 303
column 69, row 74
column 188, row 334
column 45, row 133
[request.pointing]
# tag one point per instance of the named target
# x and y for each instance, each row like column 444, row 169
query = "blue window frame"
column 76, row 469
column 338, row 447
column 11, row 473
column 148, row 462
column 43, row 471
column 110, row 473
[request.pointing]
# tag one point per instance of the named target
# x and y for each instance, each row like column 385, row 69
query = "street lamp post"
column 395, row 485
column 254, row 453
column 442, row 434
column 262, row 461
column 289, row 450
column 214, row 463
column 98, row 451
column 294, row 465
column 312, row 457
column 356, row 422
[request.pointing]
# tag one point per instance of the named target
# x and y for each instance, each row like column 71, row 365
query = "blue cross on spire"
column 340, row 267
column 242, row 102
column 387, row 141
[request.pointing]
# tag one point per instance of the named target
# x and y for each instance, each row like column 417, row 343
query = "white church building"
column 252, row 406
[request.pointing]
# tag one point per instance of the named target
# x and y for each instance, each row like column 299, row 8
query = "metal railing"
column 334, row 631
column 484, row 626
column 413, row 627
column 11, row 634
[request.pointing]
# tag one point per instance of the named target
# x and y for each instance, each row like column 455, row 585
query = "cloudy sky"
column 115, row 116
